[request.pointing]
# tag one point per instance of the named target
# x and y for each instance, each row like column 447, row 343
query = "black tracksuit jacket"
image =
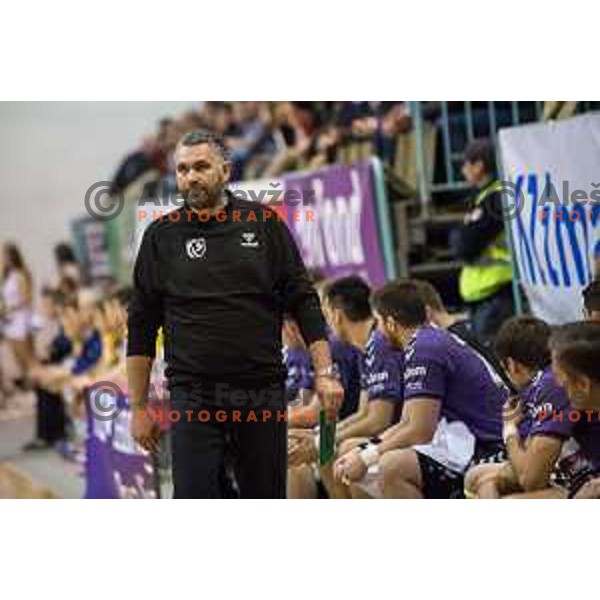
column 219, row 290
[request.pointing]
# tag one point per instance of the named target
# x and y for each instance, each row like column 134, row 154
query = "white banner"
column 556, row 229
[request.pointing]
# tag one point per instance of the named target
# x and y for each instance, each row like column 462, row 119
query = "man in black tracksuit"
column 217, row 275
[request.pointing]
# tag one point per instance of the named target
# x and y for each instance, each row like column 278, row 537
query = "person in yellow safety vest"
column 485, row 282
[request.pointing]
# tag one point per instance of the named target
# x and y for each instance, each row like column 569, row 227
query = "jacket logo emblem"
column 249, row 240
column 196, row 248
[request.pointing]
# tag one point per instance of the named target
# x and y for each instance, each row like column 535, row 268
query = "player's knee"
column 393, row 467
column 475, row 476
column 472, row 479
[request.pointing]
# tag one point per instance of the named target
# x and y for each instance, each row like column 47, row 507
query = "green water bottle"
column 326, row 439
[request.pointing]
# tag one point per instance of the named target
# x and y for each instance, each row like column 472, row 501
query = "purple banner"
column 341, row 236
column 332, row 214
column 115, row 466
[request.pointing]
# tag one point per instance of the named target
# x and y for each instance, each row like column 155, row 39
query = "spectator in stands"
column 75, row 372
column 253, row 141
column 223, row 120
column 152, row 155
column 591, row 301
column 68, row 276
column 451, row 413
column 16, row 309
column 52, row 347
column 190, row 120
column 80, row 324
column 376, row 121
column 293, row 126
column 485, row 281
column 533, row 436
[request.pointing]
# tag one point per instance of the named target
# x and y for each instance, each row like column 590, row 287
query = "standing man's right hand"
column 144, row 429
column 331, row 395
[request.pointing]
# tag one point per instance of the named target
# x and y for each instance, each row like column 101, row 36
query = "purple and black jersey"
column 300, row 374
column 549, row 412
column 539, row 400
column 441, row 365
column 382, row 371
column 347, row 363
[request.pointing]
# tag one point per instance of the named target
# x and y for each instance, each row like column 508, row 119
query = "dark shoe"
column 36, row 445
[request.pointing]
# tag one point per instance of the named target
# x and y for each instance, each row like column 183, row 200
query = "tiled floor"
column 44, row 468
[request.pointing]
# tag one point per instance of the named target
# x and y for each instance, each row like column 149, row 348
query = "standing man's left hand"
column 331, row 395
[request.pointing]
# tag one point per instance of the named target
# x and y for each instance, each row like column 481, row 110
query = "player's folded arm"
column 533, row 462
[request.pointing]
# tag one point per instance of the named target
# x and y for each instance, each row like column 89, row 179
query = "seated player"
column 303, row 404
column 591, row 301
column 452, row 408
column 437, row 314
column 299, row 381
column 348, row 312
column 575, row 350
column 532, row 437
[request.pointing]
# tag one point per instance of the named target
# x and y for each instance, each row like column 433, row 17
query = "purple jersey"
column 539, row 400
column 441, row 365
column 346, row 360
column 300, row 374
column 551, row 414
column 382, row 368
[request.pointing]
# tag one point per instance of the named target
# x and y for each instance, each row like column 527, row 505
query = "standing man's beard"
column 200, row 198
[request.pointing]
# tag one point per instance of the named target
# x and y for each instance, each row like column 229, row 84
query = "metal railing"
column 458, row 123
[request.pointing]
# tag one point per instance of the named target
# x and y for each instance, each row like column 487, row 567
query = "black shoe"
column 24, row 384
column 36, row 445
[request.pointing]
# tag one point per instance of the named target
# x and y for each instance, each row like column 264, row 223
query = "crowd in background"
column 267, row 139
column 270, row 138
column 69, row 338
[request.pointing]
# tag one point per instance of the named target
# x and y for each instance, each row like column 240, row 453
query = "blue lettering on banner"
column 556, row 247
